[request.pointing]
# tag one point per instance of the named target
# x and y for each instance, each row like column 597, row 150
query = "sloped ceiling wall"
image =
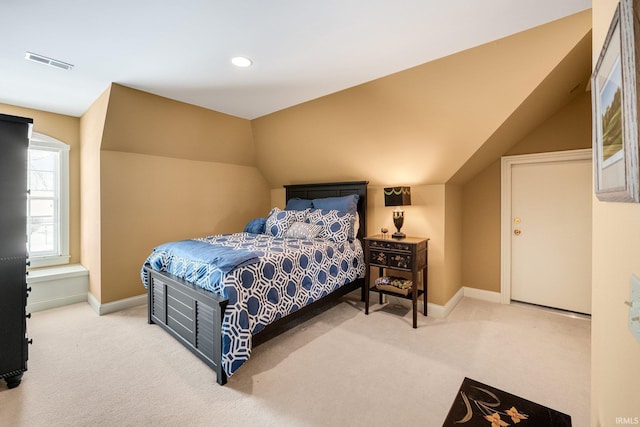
column 564, row 85
column 418, row 126
column 143, row 123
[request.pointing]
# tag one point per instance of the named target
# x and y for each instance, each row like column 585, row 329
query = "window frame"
column 45, row 142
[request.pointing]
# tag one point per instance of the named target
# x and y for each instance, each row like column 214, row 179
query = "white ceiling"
column 302, row 49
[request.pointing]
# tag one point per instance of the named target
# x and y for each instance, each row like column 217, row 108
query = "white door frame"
column 507, row 163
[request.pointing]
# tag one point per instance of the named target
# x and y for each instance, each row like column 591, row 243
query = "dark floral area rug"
column 478, row 404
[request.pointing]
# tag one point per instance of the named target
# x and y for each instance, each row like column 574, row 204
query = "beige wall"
column 140, row 122
column 65, row 129
column 568, row 81
column 143, row 207
column 568, row 129
column 615, row 371
column 159, row 170
column 91, row 126
column 481, row 230
column 417, row 127
column 452, row 242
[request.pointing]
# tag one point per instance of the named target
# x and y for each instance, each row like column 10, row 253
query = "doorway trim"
column 506, row 163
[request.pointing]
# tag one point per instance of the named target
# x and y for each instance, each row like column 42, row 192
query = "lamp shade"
column 397, row 196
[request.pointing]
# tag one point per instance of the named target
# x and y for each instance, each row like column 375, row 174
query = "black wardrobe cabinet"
column 14, row 146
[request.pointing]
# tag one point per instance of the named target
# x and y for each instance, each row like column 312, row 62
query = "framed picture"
column 614, row 91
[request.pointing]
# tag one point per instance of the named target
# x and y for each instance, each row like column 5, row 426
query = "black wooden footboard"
column 194, row 316
column 190, row 314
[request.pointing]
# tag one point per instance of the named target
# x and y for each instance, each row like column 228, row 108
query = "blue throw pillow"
column 344, row 204
column 297, row 204
column 256, row 226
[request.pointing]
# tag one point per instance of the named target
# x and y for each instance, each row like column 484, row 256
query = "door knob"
column 517, row 232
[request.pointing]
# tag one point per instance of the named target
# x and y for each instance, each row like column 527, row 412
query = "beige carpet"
column 339, row 368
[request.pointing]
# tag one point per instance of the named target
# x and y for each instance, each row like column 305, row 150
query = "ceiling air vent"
column 47, row 61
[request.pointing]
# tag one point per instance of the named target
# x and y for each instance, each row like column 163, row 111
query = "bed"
column 219, row 309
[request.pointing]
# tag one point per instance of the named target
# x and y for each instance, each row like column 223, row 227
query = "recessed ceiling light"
column 241, row 61
column 41, row 59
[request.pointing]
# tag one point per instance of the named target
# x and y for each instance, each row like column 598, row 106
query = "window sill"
column 49, row 261
column 56, row 273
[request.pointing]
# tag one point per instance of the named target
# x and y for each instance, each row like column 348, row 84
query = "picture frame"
column 614, row 94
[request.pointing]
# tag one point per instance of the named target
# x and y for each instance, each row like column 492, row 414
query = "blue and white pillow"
column 303, row 230
column 337, row 226
column 279, row 221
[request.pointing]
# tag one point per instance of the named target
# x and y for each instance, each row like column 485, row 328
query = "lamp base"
column 398, row 235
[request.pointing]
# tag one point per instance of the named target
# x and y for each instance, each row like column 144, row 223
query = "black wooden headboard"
column 334, row 189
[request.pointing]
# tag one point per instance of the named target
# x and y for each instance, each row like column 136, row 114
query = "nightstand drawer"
column 388, row 244
column 390, row 259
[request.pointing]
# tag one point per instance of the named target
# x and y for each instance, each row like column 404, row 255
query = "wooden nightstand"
column 408, row 254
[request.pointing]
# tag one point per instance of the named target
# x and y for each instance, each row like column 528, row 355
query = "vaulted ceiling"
column 301, row 50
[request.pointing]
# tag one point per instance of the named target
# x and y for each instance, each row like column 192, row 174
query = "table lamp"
column 397, row 196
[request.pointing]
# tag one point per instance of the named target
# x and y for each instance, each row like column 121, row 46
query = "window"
column 48, row 201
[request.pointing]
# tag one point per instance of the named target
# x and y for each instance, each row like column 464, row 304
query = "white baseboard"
column 453, row 301
column 434, row 310
column 441, row 311
column 111, row 307
column 57, row 286
column 482, row 294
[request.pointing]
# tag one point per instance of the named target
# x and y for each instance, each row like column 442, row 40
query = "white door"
column 551, row 234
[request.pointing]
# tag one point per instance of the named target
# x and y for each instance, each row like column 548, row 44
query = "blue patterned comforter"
column 270, row 278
